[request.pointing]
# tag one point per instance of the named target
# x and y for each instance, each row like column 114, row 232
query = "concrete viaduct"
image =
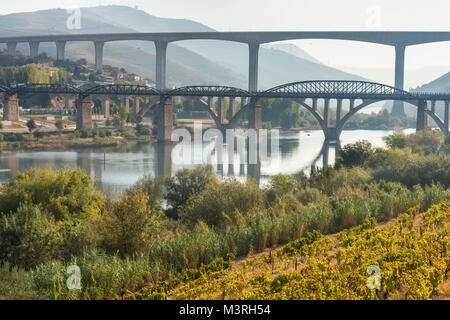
column 398, row 40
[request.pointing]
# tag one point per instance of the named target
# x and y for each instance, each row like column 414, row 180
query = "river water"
column 120, row 167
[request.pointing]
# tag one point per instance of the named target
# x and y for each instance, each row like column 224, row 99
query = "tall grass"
column 106, row 276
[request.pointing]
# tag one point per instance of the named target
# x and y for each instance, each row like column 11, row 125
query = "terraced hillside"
column 411, row 252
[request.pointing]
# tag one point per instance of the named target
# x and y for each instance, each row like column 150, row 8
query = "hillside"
column 188, row 62
column 441, row 85
column 411, row 253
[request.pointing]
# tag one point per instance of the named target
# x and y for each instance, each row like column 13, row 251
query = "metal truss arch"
column 201, row 91
column 343, row 89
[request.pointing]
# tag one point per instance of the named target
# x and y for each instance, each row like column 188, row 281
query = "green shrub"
column 63, row 193
column 130, row 225
column 184, row 184
column 223, row 204
column 28, row 237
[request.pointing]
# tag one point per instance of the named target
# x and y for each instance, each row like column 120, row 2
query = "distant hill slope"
column 441, row 85
column 199, row 61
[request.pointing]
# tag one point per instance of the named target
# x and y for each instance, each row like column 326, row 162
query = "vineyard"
column 410, row 253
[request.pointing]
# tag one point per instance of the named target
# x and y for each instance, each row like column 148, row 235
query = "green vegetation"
column 51, row 220
column 411, row 254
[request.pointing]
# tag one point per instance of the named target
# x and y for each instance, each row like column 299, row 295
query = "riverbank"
column 67, row 140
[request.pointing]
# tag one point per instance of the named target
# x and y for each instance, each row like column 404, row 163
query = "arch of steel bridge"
column 211, row 112
column 204, row 90
column 149, row 106
column 121, row 89
column 340, row 124
column 275, row 90
column 316, row 115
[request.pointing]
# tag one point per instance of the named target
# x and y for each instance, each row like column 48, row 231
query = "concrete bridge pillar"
column 12, row 47
column 161, row 61
column 352, row 104
column 60, row 50
column 422, row 117
column 34, row 49
column 325, row 154
column 165, row 120
column 446, row 116
column 137, row 104
column 338, row 111
column 99, row 46
column 68, row 101
column 398, row 108
column 125, row 101
column 84, row 113
column 243, row 102
column 221, row 110
column 255, row 114
column 231, row 108
column 105, row 107
column 314, row 105
column 253, row 66
column 433, row 106
column 10, row 107
column 326, row 112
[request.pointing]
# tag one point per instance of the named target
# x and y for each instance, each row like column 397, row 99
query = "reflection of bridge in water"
column 164, row 163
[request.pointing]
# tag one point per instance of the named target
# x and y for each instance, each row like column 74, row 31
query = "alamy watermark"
column 74, row 280
column 250, row 146
column 73, row 22
column 374, row 281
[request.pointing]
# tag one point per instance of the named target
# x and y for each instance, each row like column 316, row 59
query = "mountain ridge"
column 209, row 62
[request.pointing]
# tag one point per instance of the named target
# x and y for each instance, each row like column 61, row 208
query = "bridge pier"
column 165, row 120
column 84, row 113
column 105, row 107
column 332, row 134
column 34, row 49
column 60, row 50
column 398, row 107
column 253, row 66
column 326, row 112
column 10, row 107
column 221, row 110
column 99, row 46
column 137, row 105
column 11, row 47
column 314, row 105
column 231, row 108
column 255, row 115
column 338, row 111
column 422, row 117
column 446, row 116
column 352, row 104
column 125, row 101
column 161, row 61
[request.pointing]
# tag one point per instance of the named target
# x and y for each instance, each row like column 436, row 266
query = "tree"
column 184, row 184
column 354, row 154
column 396, row 141
column 31, row 124
column 59, row 124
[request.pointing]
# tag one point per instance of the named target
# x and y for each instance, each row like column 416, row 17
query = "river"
column 119, row 168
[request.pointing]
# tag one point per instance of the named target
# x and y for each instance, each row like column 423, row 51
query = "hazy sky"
column 298, row 15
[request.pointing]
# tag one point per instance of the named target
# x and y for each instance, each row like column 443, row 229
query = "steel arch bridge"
column 348, row 89
column 365, row 91
column 120, row 89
